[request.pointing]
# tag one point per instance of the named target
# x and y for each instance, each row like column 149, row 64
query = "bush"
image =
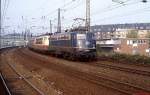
column 126, row 58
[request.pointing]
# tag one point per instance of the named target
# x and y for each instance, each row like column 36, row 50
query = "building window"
column 134, row 41
column 139, row 41
column 128, row 42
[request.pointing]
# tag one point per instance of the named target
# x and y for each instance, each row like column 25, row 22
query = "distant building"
column 144, row 34
column 121, row 33
column 12, row 40
column 133, row 46
column 124, row 38
column 131, row 33
column 114, row 27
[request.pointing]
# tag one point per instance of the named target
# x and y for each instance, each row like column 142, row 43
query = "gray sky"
column 22, row 14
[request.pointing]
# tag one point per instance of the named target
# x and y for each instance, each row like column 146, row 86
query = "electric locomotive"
column 73, row 44
column 66, row 44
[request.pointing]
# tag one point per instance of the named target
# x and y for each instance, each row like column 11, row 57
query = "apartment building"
column 128, row 41
column 131, row 33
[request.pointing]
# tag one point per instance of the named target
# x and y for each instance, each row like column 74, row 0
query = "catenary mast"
column 59, row 22
column 87, row 23
column 50, row 26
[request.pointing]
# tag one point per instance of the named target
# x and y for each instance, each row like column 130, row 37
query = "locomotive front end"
column 86, row 44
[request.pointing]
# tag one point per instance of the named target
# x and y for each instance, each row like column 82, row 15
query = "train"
column 66, row 44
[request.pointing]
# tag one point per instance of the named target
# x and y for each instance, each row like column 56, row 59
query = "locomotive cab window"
column 81, row 40
column 81, row 36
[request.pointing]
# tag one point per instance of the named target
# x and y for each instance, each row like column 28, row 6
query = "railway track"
column 26, row 80
column 106, row 81
column 4, row 87
column 130, row 70
column 122, row 62
column 125, row 69
column 102, row 80
column 20, row 77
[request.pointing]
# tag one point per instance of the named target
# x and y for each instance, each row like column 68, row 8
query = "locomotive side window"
column 81, row 39
column 64, row 37
column 53, row 37
column 81, row 36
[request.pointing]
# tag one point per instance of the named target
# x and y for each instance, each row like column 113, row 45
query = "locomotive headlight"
column 93, row 46
column 87, row 42
column 79, row 44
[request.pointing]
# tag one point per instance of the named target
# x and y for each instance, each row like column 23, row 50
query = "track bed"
column 79, row 78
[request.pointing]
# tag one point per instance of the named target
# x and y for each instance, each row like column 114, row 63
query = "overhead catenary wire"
column 67, row 9
column 113, row 7
column 69, row 19
column 116, row 6
column 60, row 7
column 55, row 10
column 63, row 7
column 108, row 9
column 40, row 6
column 3, row 14
column 5, row 8
column 73, row 7
column 127, row 14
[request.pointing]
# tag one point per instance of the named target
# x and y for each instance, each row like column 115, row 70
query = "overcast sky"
column 21, row 14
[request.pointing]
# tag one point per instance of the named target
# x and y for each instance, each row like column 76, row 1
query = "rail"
column 5, row 85
column 8, row 47
column 125, row 69
column 106, row 81
column 33, row 86
column 100, row 79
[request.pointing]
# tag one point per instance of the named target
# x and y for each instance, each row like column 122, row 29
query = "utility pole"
column 87, row 23
column 59, row 22
column 50, row 26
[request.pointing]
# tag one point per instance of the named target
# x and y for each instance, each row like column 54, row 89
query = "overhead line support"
column 87, row 23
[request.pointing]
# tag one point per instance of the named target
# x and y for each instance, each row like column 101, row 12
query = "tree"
column 132, row 34
column 148, row 34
